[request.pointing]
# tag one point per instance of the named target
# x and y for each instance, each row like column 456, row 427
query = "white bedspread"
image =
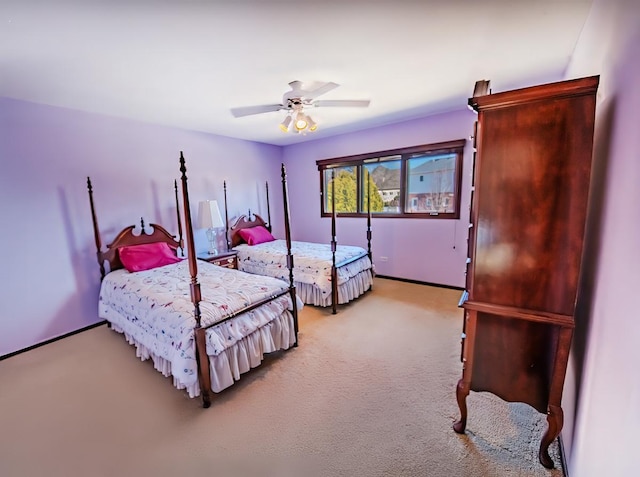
column 154, row 309
column 312, row 262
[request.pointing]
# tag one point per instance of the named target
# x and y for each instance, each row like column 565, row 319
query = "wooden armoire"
column 531, row 174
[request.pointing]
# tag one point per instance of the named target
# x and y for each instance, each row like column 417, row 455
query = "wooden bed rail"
column 247, row 221
column 204, row 376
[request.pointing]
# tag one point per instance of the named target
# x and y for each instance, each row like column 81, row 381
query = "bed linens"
column 154, row 309
column 312, row 268
column 347, row 291
column 312, row 262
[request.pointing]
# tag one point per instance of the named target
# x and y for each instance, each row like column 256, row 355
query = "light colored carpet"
column 369, row 392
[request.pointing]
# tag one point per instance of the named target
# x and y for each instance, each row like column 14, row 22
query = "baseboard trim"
column 57, row 338
column 418, row 282
column 563, row 457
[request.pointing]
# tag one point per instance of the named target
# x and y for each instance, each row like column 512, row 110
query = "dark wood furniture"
column 253, row 220
column 529, row 203
column 127, row 237
column 222, row 259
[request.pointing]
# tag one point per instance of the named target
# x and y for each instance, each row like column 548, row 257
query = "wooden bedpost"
column 96, row 232
column 175, row 186
column 226, row 217
column 204, row 376
column 369, row 223
column 268, row 207
column 287, row 231
column 334, row 246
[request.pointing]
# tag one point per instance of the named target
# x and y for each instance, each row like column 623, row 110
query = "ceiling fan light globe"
column 301, row 123
column 312, row 124
column 284, row 125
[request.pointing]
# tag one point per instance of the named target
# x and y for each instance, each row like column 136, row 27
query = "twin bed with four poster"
column 202, row 324
column 324, row 274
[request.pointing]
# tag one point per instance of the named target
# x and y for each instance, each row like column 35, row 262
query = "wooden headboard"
column 245, row 222
column 127, row 237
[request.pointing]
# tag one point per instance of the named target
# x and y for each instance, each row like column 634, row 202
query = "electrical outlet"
column 384, row 259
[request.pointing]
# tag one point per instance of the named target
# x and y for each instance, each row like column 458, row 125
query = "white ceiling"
column 186, row 63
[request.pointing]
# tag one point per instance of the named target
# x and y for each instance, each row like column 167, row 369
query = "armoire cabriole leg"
column 555, row 419
column 462, row 391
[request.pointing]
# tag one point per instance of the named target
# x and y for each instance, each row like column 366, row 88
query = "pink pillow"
column 256, row 235
column 136, row 258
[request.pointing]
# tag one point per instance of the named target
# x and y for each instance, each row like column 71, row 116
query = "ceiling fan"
column 295, row 100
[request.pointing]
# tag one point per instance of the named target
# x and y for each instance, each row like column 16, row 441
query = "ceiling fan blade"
column 325, row 88
column 249, row 110
column 357, row 103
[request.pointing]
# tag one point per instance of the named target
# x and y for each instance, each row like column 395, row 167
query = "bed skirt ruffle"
column 227, row 366
column 347, row 291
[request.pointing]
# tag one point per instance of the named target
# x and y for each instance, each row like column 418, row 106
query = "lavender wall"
column 426, row 250
column 50, row 277
column 608, row 391
column 50, row 281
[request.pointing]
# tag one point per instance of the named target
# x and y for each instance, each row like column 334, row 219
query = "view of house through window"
column 431, row 185
column 421, row 182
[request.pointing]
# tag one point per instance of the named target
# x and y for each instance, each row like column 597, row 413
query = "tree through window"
column 421, row 182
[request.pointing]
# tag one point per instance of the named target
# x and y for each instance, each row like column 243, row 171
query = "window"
column 431, row 183
column 416, row 182
column 345, row 185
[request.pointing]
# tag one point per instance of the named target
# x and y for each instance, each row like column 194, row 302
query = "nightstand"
column 222, row 259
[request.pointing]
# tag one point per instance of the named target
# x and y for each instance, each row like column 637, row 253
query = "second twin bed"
column 324, row 274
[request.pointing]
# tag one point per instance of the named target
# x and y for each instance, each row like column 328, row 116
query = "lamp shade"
column 209, row 215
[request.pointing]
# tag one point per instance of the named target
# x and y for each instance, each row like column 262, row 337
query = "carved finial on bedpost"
column 96, row 233
column 191, row 253
column 180, row 241
column 142, row 225
column 183, row 168
column 268, row 207
column 193, row 266
column 287, row 232
column 226, row 217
